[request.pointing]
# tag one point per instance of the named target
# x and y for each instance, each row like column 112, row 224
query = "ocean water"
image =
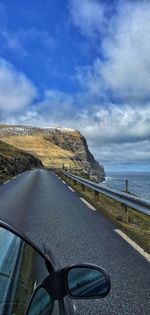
column 141, row 178
column 137, row 183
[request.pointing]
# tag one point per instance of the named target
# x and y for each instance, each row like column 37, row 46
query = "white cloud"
column 125, row 67
column 129, row 154
column 89, row 78
column 56, row 108
column 16, row 90
column 115, row 124
column 114, row 134
column 117, row 134
column 87, row 15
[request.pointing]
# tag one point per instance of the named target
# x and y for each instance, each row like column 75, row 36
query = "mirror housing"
column 86, row 281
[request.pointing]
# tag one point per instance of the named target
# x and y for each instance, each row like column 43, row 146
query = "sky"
column 83, row 65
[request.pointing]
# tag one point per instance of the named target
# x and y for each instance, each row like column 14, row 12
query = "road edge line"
column 71, row 189
column 139, row 249
column 88, row 204
column 6, row 182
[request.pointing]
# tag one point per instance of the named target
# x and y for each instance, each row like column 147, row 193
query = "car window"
column 21, row 270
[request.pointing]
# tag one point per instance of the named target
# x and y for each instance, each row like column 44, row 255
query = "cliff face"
column 14, row 161
column 74, row 142
column 55, row 147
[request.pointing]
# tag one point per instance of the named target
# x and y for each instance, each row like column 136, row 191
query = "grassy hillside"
column 49, row 153
column 55, row 147
column 14, row 161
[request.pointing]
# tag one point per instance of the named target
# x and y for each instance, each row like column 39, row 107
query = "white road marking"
column 139, row 249
column 59, row 177
column 14, row 177
column 71, row 189
column 88, row 204
column 63, row 182
column 7, row 182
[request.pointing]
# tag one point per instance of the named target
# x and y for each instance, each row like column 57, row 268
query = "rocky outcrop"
column 74, row 142
column 55, row 147
column 14, row 161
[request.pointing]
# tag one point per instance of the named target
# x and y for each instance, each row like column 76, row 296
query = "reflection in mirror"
column 42, row 303
column 87, row 282
column 21, row 270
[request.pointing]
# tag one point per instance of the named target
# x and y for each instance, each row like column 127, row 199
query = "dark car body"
column 23, row 266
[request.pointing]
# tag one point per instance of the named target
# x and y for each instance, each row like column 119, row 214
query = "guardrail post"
column 125, row 213
column 75, row 182
column 127, row 186
column 96, row 193
column 83, row 187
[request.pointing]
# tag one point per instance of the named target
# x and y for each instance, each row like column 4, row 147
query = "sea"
column 137, row 183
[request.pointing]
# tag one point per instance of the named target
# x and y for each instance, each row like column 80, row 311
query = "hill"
column 55, row 147
column 14, row 161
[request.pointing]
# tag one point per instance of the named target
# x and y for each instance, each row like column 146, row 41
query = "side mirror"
column 87, row 281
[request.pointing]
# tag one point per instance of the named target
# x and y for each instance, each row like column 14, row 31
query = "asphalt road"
column 46, row 210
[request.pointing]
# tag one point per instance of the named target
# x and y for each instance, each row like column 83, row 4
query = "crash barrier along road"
column 125, row 199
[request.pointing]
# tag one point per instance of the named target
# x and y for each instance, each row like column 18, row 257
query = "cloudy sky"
column 80, row 64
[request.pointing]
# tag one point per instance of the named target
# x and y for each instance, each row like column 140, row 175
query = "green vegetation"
column 135, row 224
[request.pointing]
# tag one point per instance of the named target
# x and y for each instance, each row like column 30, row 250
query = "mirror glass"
column 41, row 303
column 21, row 270
column 87, row 282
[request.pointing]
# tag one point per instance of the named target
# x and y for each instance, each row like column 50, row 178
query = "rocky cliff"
column 55, row 147
column 14, row 161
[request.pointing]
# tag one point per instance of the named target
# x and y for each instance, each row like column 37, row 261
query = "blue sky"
column 80, row 64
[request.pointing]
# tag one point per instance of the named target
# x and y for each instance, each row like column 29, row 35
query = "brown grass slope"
column 55, row 147
column 49, row 153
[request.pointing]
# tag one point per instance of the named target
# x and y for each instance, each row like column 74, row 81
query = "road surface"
column 46, row 210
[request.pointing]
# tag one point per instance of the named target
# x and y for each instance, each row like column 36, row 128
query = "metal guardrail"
column 126, row 199
column 125, row 185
